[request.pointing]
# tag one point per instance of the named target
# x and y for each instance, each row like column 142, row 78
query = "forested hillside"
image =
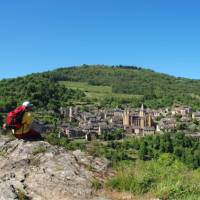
column 126, row 85
column 44, row 93
column 153, row 89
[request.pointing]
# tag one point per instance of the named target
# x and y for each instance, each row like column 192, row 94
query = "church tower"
column 142, row 117
column 149, row 121
column 141, row 114
column 70, row 114
column 126, row 117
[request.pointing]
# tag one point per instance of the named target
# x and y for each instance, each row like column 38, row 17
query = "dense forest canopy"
column 43, row 92
column 155, row 89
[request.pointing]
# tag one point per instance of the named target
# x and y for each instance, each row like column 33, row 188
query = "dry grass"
column 114, row 195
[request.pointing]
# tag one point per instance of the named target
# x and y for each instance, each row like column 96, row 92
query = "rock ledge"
column 39, row 171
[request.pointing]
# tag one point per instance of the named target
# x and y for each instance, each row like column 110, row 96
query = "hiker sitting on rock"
column 20, row 121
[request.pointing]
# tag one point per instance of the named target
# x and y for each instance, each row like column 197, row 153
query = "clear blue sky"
column 39, row 35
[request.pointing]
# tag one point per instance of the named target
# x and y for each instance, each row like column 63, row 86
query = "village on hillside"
column 92, row 122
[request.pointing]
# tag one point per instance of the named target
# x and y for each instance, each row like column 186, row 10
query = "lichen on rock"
column 39, row 171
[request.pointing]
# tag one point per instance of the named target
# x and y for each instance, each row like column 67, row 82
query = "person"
column 27, row 130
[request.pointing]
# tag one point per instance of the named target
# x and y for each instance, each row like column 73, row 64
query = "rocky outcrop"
column 39, row 171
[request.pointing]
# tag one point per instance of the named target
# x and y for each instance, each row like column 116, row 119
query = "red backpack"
column 14, row 118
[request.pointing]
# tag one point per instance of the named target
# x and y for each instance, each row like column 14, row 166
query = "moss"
column 21, row 195
column 3, row 153
column 39, row 149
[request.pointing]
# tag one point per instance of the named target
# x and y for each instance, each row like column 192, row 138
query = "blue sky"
column 40, row 35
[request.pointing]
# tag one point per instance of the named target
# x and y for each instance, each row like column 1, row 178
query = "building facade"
column 141, row 124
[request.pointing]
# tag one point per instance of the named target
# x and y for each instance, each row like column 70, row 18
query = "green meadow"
column 92, row 91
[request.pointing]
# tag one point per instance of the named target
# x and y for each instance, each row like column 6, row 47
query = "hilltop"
column 103, row 85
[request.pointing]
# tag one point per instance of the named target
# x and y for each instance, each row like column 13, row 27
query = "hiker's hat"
column 27, row 104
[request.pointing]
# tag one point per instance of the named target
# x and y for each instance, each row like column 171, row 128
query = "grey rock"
column 100, row 198
column 7, row 191
column 42, row 171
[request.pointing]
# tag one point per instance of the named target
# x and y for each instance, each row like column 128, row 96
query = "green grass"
column 86, row 87
column 92, row 91
column 165, row 178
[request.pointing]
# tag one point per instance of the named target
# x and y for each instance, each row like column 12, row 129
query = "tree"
column 143, row 151
column 179, row 139
column 182, row 126
column 178, row 151
column 187, row 142
column 166, row 145
column 156, row 142
column 196, row 158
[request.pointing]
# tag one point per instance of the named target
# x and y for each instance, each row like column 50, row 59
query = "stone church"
column 141, row 124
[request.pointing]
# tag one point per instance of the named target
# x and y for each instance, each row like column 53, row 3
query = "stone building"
column 71, row 132
column 196, row 115
column 167, row 124
column 182, row 110
column 141, row 124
